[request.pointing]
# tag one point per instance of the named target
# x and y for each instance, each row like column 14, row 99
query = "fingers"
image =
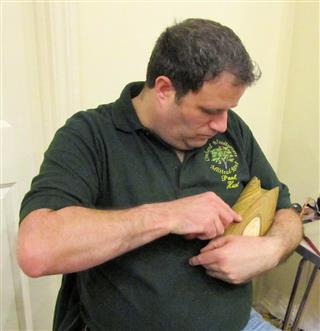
column 211, row 259
column 220, row 216
column 228, row 215
column 216, row 243
column 224, row 214
column 234, row 259
column 212, row 263
column 203, row 216
column 205, row 258
column 219, row 227
column 208, row 254
column 215, row 228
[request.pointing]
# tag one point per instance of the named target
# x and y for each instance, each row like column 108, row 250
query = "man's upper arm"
column 69, row 173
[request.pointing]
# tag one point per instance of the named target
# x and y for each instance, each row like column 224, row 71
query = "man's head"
column 197, row 116
column 197, row 71
column 198, row 50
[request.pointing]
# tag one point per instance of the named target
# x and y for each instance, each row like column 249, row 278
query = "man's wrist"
column 276, row 248
column 155, row 217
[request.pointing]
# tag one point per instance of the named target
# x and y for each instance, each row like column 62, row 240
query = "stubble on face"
column 198, row 116
column 189, row 122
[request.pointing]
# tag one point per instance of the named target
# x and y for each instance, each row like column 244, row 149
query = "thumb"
column 215, row 243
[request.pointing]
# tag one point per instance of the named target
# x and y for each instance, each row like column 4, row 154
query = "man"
column 133, row 198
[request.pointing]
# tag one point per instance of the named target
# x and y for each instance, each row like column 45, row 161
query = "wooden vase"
column 257, row 208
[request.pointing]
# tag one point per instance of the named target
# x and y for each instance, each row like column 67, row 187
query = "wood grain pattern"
column 257, row 207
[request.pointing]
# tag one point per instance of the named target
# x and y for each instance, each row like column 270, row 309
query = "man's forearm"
column 75, row 238
column 287, row 229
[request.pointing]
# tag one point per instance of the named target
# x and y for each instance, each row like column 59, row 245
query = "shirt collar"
column 123, row 113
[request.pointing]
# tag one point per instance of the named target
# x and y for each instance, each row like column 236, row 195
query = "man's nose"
column 219, row 122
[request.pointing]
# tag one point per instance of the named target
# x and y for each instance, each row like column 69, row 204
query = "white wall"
column 59, row 58
column 299, row 153
column 22, row 148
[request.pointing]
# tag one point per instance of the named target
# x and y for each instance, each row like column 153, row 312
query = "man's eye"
column 212, row 111
column 208, row 111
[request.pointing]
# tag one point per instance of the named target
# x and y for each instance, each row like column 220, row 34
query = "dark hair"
column 197, row 50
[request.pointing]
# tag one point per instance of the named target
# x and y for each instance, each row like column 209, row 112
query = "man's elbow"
column 30, row 261
column 32, row 249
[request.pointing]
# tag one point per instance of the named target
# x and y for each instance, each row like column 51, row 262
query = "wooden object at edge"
column 257, row 207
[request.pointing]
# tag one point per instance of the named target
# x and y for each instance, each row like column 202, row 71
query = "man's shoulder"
column 119, row 114
column 98, row 114
column 91, row 119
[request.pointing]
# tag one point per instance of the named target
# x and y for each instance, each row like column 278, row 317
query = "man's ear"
column 164, row 89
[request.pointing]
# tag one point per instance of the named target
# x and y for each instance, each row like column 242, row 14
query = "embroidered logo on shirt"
column 223, row 159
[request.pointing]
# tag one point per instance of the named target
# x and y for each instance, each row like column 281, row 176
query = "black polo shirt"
column 104, row 158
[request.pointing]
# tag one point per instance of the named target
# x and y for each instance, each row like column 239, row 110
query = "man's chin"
column 189, row 144
column 196, row 143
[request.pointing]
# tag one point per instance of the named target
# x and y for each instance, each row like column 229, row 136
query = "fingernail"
column 191, row 262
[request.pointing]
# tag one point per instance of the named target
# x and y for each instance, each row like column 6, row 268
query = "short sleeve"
column 69, row 174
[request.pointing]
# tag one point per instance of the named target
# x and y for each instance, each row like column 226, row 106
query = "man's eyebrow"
column 217, row 110
column 211, row 111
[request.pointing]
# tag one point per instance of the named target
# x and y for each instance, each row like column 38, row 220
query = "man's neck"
column 144, row 106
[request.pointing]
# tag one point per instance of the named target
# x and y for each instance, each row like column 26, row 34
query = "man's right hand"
column 203, row 216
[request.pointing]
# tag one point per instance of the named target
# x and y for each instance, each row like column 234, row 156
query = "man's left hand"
column 237, row 259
